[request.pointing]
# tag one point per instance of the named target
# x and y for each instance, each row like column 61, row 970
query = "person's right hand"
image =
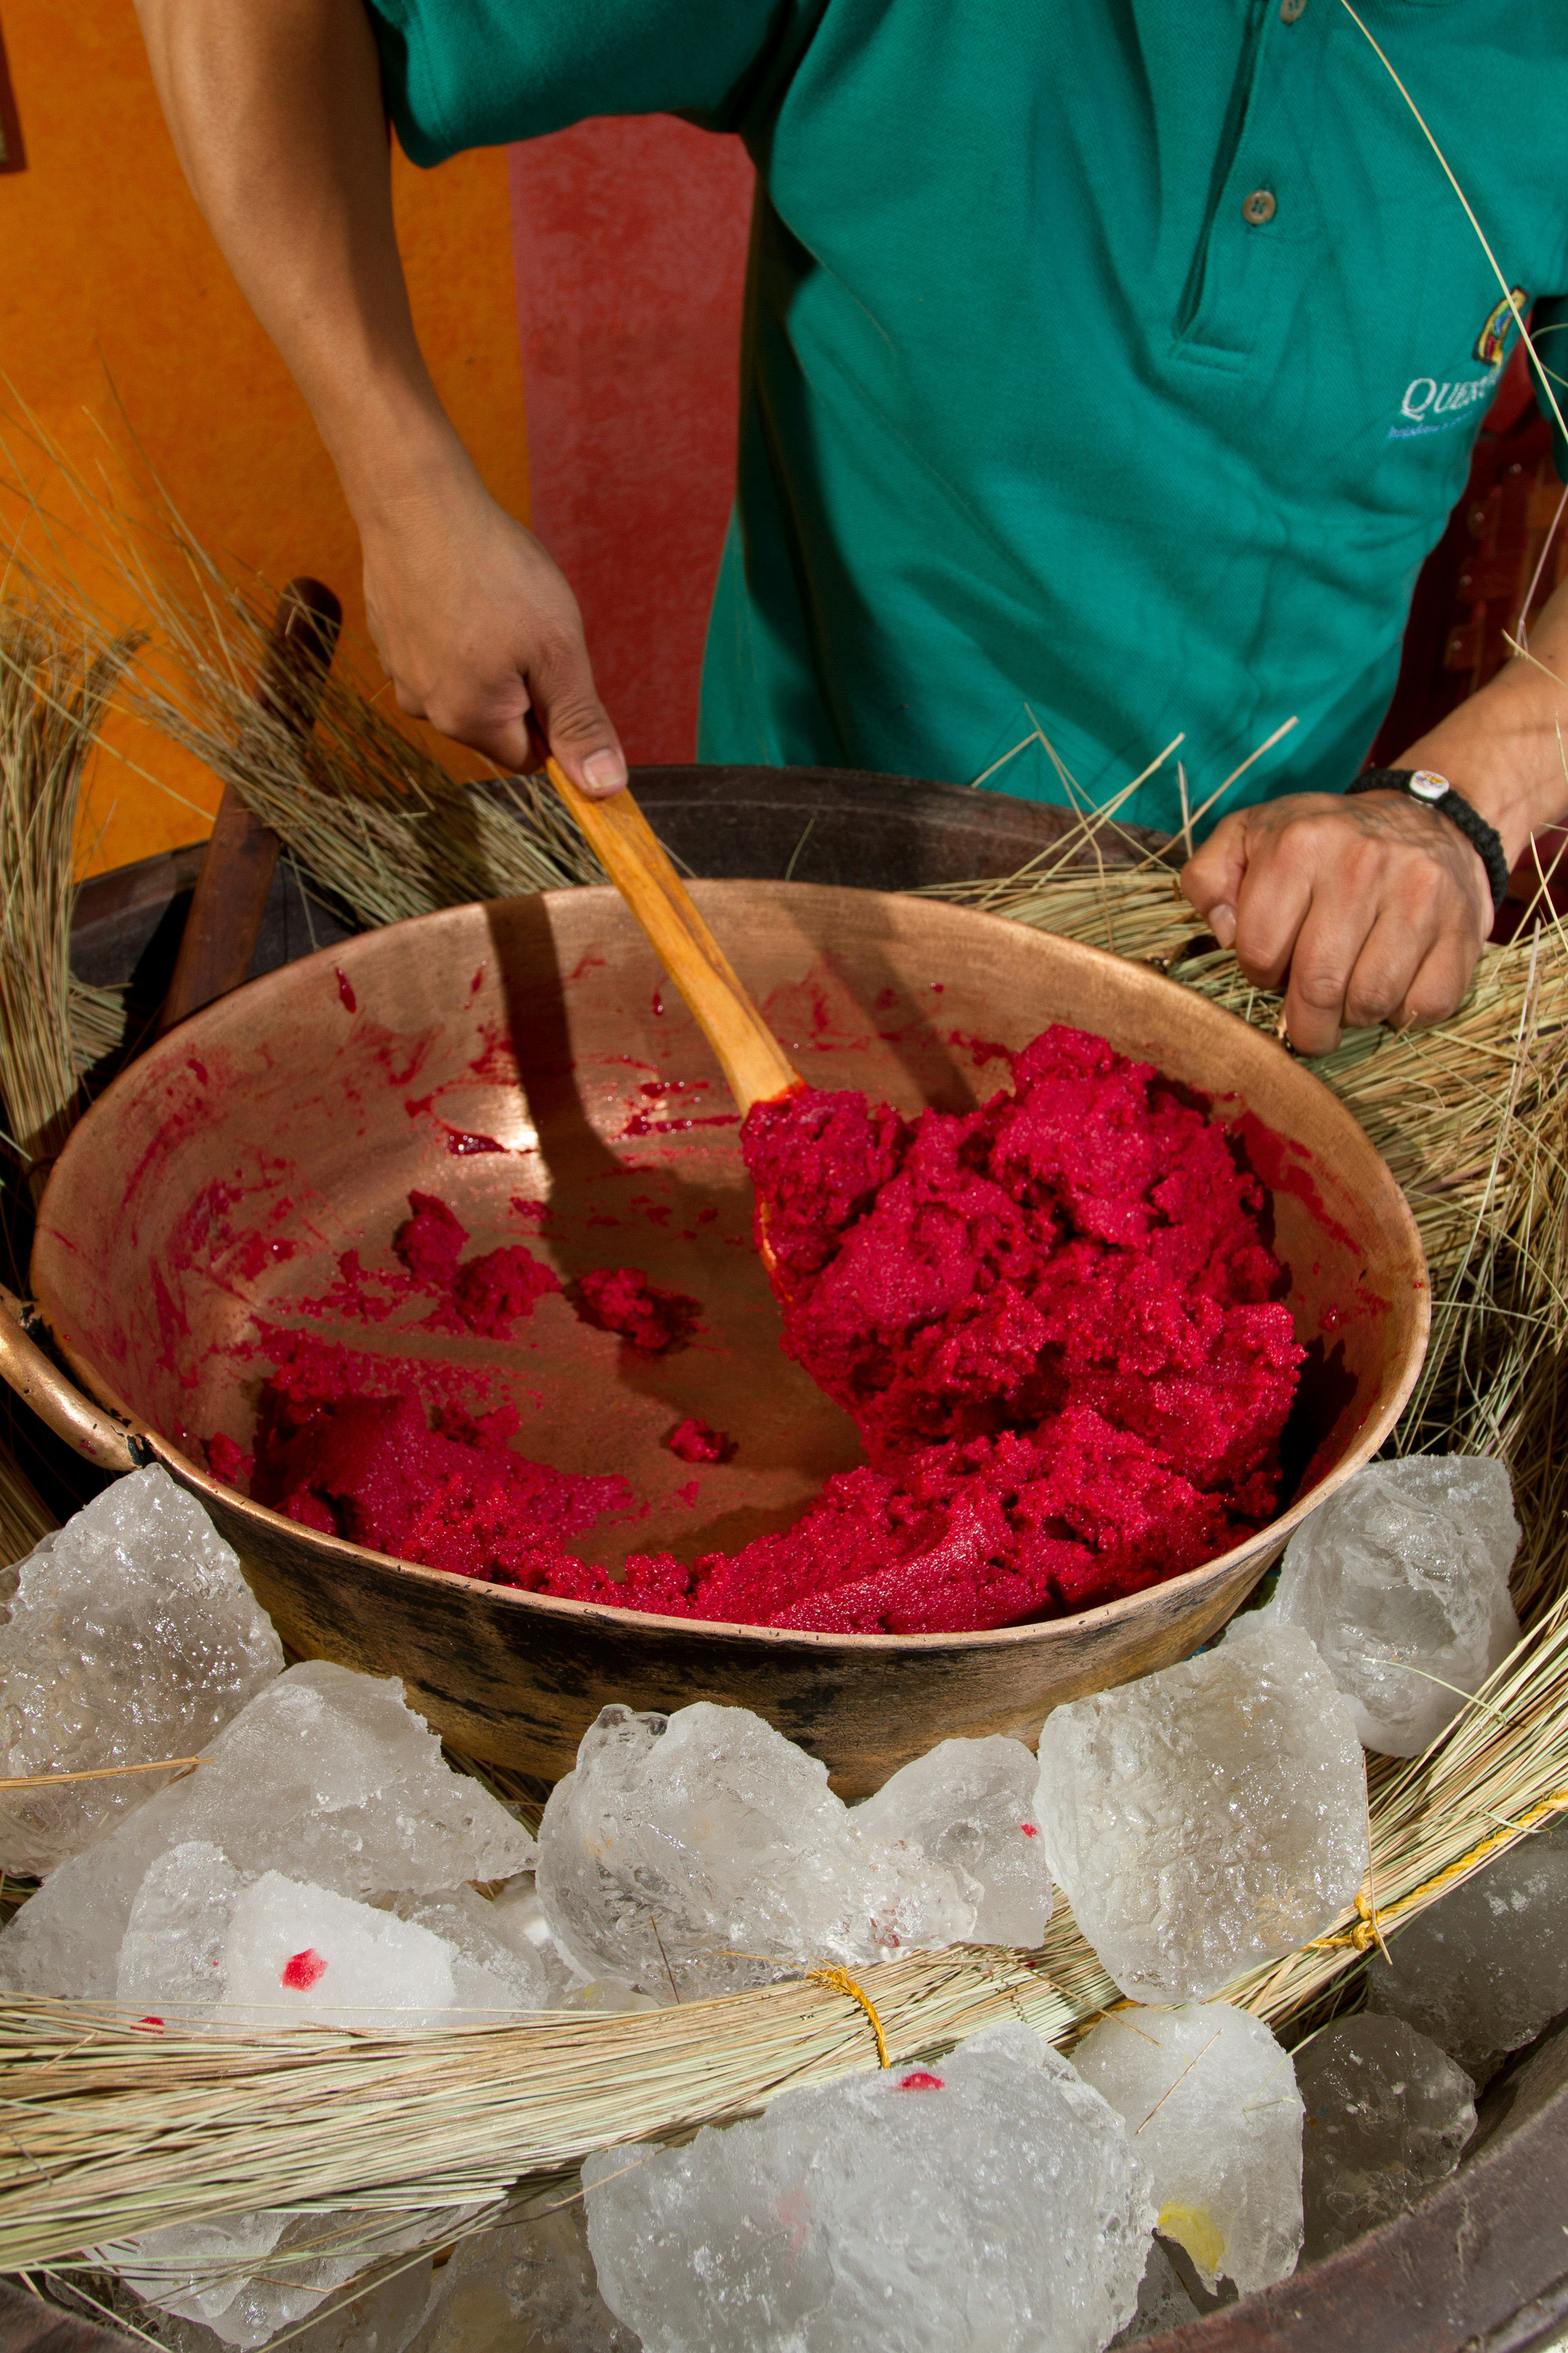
column 477, row 628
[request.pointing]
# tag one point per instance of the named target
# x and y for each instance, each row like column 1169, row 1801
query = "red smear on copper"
column 979, row 1049
column 1285, row 1166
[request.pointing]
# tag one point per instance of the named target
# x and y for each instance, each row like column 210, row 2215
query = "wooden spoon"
column 753, row 1060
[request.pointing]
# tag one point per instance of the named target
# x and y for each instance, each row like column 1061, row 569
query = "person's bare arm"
column 275, row 110
column 1376, row 907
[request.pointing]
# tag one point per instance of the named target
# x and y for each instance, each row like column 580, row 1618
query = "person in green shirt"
column 1109, row 368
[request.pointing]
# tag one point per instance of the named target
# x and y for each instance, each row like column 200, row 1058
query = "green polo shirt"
column 1110, row 365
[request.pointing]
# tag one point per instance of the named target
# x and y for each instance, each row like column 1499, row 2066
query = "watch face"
column 1426, row 786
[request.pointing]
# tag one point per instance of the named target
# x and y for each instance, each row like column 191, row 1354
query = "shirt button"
column 1259, row 207
column 1291, row 9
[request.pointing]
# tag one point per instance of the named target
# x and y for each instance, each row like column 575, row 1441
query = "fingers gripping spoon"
column 754, row 1064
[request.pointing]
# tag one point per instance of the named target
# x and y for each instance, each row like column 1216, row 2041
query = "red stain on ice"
column 346, row 990
column 302, row 1971
column 921, row 2081
column 1030, row 1830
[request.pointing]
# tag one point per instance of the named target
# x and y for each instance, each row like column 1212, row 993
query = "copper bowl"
column 220, row 1178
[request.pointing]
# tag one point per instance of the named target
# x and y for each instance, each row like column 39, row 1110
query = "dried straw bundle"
column 367, row 814
column 54, row 688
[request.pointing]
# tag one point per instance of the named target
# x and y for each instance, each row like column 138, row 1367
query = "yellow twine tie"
column 840, row 1981
column 1368, row 1929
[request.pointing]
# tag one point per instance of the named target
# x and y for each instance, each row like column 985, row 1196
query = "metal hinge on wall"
column 13, row 154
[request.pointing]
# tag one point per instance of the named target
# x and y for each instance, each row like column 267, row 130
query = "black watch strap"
column 1426, row 784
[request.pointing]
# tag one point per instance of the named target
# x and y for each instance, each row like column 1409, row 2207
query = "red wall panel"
column 629, row 247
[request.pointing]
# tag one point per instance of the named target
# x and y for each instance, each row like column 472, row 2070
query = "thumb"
column 1211, row 879
column 574, row 723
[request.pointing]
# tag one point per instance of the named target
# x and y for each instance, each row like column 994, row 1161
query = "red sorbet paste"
column 622, row 1298
column 483, row 1294
column 699, row 1442
column 456, row 1496
column 1055, row 1320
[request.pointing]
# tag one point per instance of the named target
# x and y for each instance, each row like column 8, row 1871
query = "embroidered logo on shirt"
column 1431, row 405
column 1492, row 341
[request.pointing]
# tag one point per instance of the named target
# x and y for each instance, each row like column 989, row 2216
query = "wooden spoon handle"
column 625, row 843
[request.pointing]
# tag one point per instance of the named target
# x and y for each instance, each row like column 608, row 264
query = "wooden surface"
column 26, row 2325
column 1481, row 2266
column 320, row 1146
column 755, row 1066
column 229, row 899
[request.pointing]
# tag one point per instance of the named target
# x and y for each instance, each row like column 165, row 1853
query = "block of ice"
column 519, row 1918
column 175, row 1961
column 324, row 1776
column 492, row 1973
column 1162, row 2302
column 1209, row 1817
column 1387, row 2115
column 1209, row 2100
column 530, row 2284
column 989, row 2205
column 1401, row 1579
column 301, row 1955
column 207, row 2271
column 171, row 1962
column 379, row 2319
column 1481, row 1970
column 970, row 1806
column 132, row 1636
column 697, row 1852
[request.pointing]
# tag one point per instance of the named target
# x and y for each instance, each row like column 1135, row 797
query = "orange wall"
column 108, row 274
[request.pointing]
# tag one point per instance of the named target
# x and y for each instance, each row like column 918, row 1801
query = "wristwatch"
column 1437, row 793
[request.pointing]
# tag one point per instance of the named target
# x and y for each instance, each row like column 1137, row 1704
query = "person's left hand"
column 1375, row 907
